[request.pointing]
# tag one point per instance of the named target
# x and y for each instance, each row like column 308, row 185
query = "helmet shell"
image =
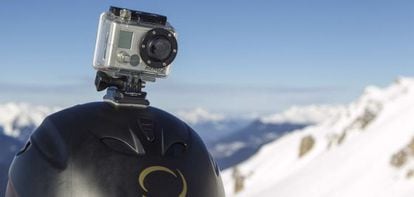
column 102, row 150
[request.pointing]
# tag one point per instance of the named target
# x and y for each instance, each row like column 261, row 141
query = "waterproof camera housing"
column 134, row 44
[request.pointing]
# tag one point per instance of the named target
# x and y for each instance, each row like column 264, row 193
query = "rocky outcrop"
column 306, row 145
column 402, row 157
column 399, row 159
column 238, row 180
column 410, row 174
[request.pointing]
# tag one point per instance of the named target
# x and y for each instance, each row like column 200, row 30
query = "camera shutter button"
column 134, row 60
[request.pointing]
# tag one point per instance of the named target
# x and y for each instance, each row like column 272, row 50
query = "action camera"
column 134, row 43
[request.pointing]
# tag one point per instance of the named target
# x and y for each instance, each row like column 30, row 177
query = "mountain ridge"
column 352, row 154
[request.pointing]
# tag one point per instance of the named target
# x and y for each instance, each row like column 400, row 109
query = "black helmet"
column 100, row 149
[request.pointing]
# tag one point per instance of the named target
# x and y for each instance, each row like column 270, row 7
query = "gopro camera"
column 134, row 44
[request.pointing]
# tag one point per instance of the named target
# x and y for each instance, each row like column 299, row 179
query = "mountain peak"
column 349, row 154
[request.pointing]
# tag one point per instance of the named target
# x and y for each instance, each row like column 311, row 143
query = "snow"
column 199, row 115
column 14, row 116
column 377, row 125
column 304, row 114
column 227, row 150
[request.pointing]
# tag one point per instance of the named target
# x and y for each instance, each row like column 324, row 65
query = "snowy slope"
column 232, row 149
column 350, row 153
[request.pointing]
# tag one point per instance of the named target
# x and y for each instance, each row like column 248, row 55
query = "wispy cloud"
column 39, row 88
column 243, row 98
column 173, row 95
column 48, row 94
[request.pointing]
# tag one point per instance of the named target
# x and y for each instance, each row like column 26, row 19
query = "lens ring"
column 159, row 48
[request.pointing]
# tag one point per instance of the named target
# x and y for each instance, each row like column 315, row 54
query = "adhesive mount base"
column 117, row 97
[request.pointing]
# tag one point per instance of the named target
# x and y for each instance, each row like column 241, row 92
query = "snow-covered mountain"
column 242, row 144
column 18, row 120
column 366, row 150
column 312, row 114
column 199, row 115
column 363, row 149
column 211, row 126
column 232, row 140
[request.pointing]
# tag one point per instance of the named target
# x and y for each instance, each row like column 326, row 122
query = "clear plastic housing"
column 101, row 46
column 113, row 57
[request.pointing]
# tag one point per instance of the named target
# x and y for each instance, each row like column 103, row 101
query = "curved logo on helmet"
column 147, row 171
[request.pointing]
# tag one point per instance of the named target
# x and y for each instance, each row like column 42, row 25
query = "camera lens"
column 159, row 48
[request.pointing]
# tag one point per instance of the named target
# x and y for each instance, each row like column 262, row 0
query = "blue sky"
column 234, row 56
